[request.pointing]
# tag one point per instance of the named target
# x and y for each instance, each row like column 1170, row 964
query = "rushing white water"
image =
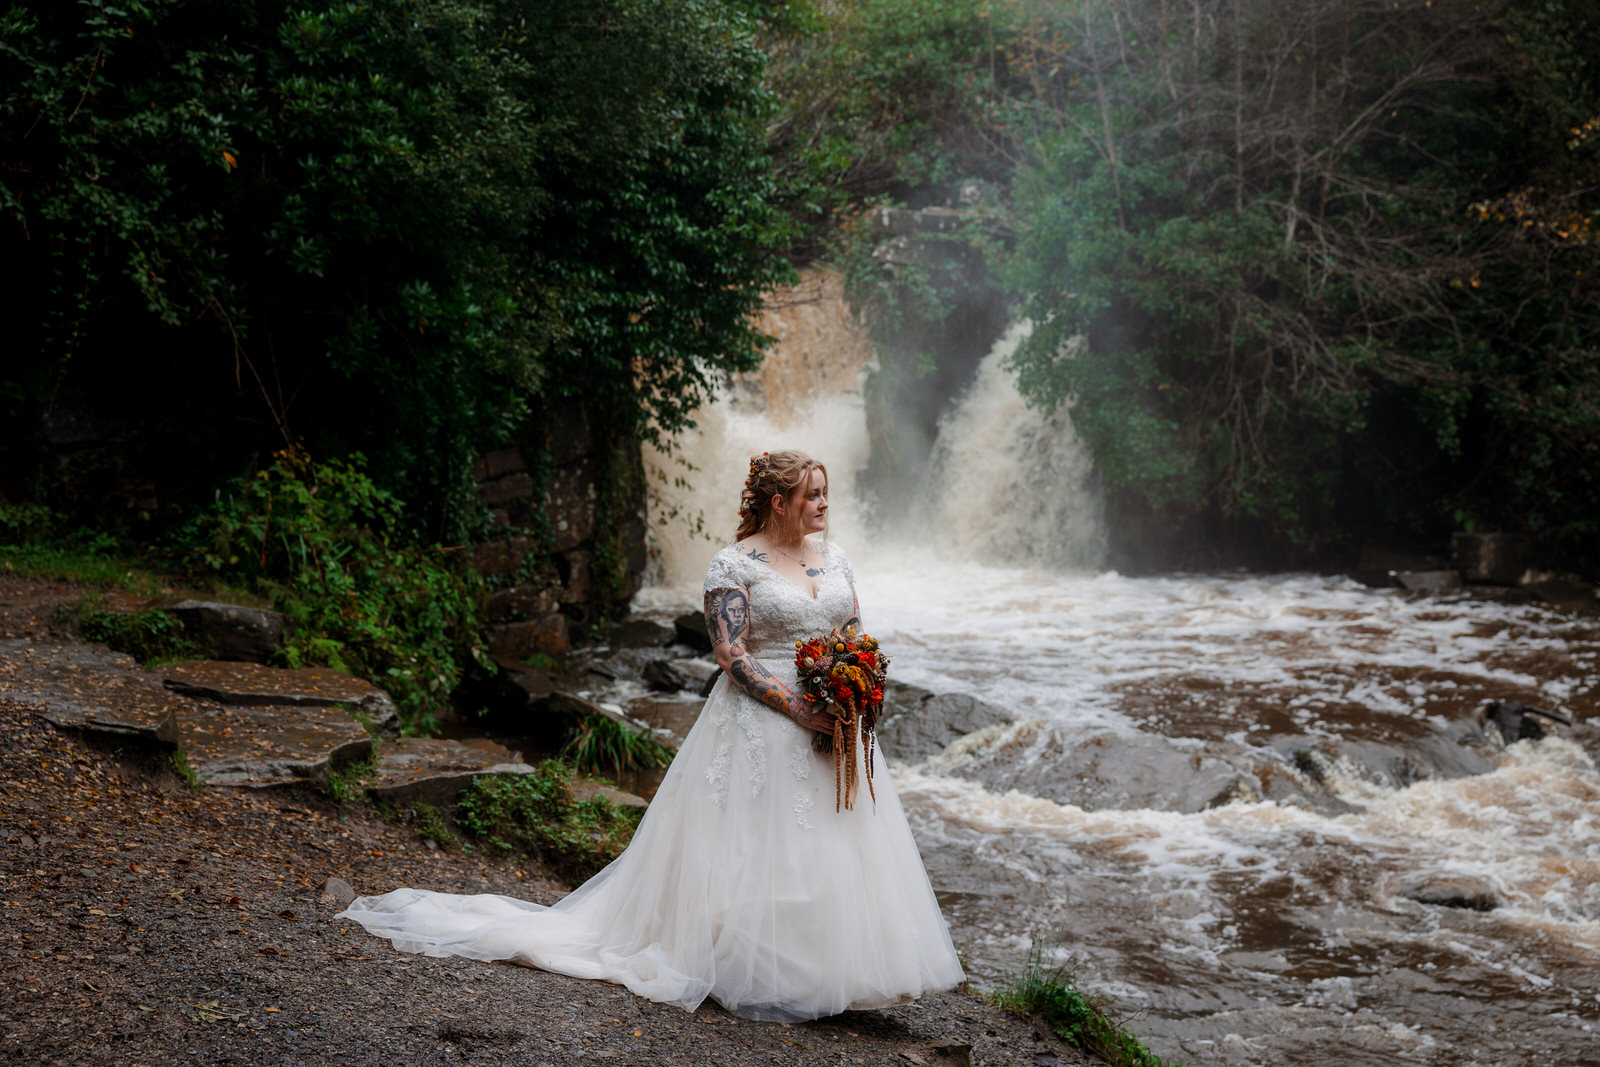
column 1281, row 927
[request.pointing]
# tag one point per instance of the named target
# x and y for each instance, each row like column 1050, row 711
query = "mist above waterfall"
column 1002, row 482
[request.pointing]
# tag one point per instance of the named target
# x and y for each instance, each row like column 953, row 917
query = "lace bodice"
column 781, row 612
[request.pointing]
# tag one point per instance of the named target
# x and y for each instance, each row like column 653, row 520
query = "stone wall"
column 569, row 511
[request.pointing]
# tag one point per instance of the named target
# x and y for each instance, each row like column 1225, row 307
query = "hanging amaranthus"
column 843, row 674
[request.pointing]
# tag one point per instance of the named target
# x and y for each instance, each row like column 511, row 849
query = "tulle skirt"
column 742, row 884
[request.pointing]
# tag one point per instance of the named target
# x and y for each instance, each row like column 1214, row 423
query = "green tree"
column 401, row 227
column 1250, row 251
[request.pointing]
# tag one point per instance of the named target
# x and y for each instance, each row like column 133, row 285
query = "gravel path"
column 142, row 922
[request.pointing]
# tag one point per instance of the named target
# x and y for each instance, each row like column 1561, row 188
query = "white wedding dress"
column 742, row 883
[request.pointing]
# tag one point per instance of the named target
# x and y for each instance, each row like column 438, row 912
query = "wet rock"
column 669, row 720
column 427, row 770
column 690, row 629
column 1379, row 565
column 665, row 676
column 89, row 689
column 1497, row 558
column 1567, row 594
column 902, row 697
column 230, row 631
column 1097, row 773
column 641, row 633
column 1316, row 765
column 588, row 789
column 561, row 702
column 523, row 685
column 1241, row 790
column 263, row 747
column 689, row 675
column 336, row 892
column 1453, row 891
column 1428, row 581
column 913, row 736
column 1517, row 722
column 253, row 684
column 546, row 636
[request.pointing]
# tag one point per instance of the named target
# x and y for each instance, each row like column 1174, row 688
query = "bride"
column 743, row 882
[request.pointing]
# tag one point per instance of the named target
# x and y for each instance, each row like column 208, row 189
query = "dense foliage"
column 401, row 227
column 535, row 816
column 1305, row 277
column 319, row 541
column 1325, row 271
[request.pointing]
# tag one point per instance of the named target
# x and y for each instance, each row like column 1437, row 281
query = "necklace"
column 811, row 572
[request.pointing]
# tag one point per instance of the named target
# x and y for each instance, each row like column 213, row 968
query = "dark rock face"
column 232, row 632
column 1496, row 558
column 529, row 601
column 641, row 633
column 914, row 735
column 521, row 640
column 690, row 629
column 1453, row 891
column 665, row 675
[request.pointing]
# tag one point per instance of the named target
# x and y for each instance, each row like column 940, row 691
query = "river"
column 1224, row 797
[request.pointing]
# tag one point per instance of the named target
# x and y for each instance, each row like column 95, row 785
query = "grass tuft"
column 1075, row 1017
column 599, row 745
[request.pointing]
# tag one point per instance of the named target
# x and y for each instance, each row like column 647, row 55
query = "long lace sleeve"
column 728, row 624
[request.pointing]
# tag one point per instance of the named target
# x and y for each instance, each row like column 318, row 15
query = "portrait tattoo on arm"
column 728, row 622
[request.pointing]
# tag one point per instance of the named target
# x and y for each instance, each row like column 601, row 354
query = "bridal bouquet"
column 843, row 674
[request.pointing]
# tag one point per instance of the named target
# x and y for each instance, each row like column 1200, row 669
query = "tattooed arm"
column 728, row 622
column 854, row 622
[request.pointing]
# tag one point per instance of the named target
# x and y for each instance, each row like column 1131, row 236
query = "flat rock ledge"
column 258, row 686
column 248, row 747
column 88, row 689
column 425, row 770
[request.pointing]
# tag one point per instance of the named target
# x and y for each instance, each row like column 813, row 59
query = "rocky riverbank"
column 145, row 921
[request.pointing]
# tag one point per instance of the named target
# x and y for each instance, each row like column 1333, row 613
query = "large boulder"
column 230, row 631
column 932, row 724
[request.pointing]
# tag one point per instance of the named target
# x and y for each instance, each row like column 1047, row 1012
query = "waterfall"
column 1009, row 485
column 1006, row 484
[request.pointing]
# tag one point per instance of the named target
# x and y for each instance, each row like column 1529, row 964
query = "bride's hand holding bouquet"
column 842, row 674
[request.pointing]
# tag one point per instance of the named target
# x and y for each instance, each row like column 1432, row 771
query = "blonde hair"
column 772, row 474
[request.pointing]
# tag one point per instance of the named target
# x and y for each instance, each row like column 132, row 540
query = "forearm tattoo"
column 728, row 623
column 854, row 622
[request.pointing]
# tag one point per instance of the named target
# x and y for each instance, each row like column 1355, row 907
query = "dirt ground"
column 142, row 922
